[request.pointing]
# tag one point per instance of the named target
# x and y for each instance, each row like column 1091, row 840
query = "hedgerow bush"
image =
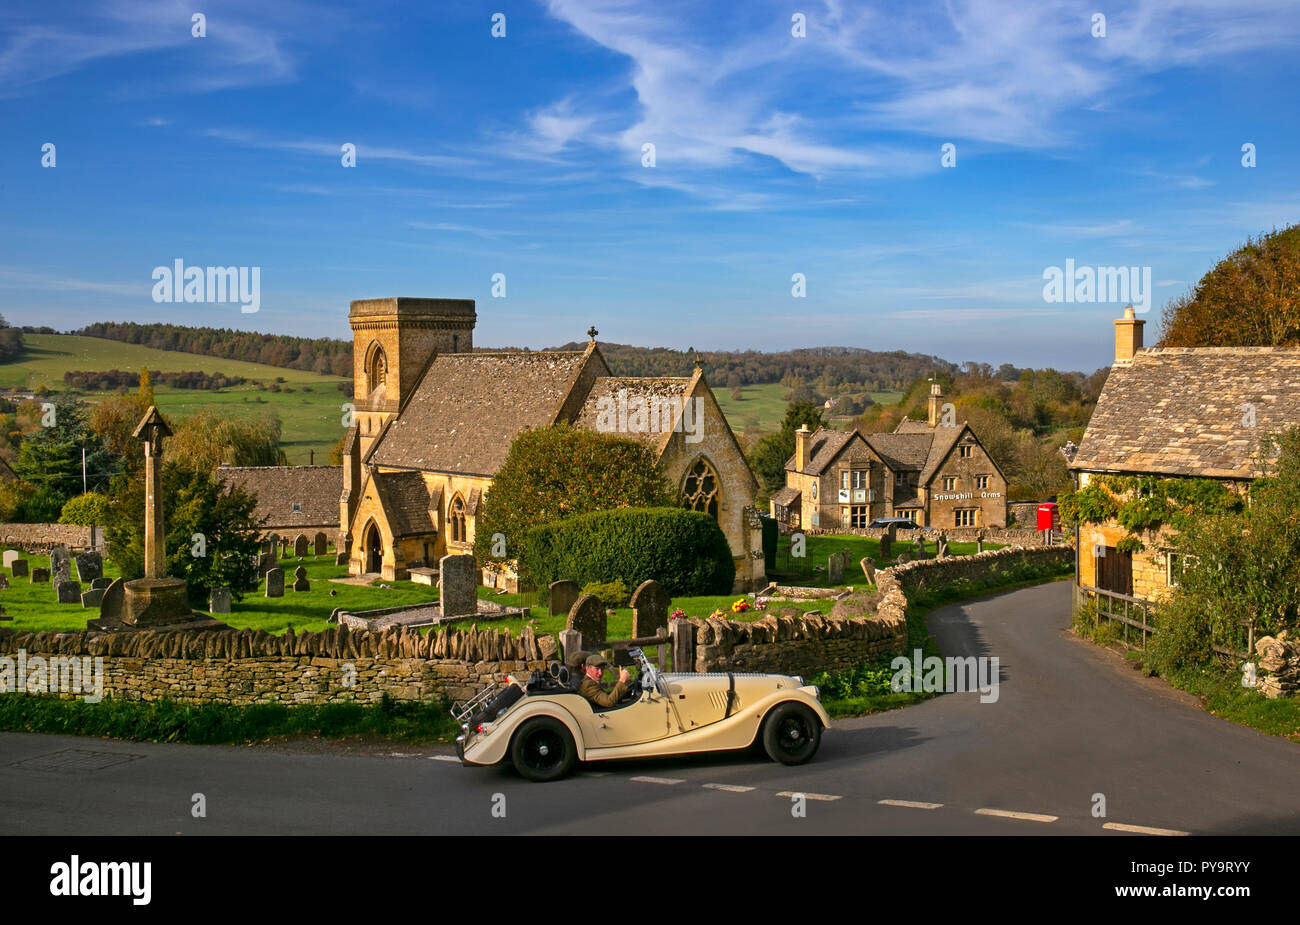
column 685, row 551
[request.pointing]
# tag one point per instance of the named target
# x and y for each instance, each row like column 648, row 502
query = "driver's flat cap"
column 595, row 660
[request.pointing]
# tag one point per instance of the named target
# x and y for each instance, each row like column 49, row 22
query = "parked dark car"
column 902, row 523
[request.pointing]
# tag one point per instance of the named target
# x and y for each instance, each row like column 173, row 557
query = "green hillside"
column 763, row 406
column 309, row 405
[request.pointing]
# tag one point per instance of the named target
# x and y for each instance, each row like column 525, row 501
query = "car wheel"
column 792, row 734
column 543, row 749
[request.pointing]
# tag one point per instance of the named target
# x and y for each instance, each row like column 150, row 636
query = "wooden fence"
column 1140, row 618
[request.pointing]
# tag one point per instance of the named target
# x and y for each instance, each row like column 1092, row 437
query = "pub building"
column 935, row 475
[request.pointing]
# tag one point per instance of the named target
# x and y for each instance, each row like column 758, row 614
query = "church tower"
column 393, row 342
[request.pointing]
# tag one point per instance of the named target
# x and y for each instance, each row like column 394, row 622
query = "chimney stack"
column 936, row 394
column 801, row 448
column 1128, row 337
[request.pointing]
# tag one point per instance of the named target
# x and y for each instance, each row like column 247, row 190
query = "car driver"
column 591, row 689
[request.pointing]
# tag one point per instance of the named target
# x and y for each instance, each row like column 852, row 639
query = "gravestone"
column 10, row 556
column 457, row 585
column 941, row 552
column 320, row 546
column 903, row 560
column 90, row 565
column 113, row 602
column 4, row 582
column 887, row 542
column 835, row 568
column 587, row 616
column 40, row 576
column 979, row 541
column 649, row 609
column 18, row 568
column 563, row 595
column 60, row 564
column 869, row 570
column 918, row 549
column 99, row 584
column 69, row 592
column 301, row 546
column 275, row 582
column 219, row 600
column 92, row 598
column 341, row 558
column 266, row 562
column 300, row 582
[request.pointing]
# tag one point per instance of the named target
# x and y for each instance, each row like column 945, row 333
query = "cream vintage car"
column 543, row 726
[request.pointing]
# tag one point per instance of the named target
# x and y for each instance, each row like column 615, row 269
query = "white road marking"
column 658, row 780
column 1012, row 814
column 824, row 797
column 1142, row 829
column 444, row 758
column 595, row 774
column 402, row 755
column 729, row 788
column 910, row 804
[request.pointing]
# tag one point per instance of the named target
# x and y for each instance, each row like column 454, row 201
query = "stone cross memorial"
column 155, row 599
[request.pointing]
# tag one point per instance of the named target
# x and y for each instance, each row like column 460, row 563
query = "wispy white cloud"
column 11, row 278
column 489, row 233
column 244, row 45
column 334, row 149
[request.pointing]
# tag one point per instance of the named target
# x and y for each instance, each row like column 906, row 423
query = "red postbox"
column 1048, row 516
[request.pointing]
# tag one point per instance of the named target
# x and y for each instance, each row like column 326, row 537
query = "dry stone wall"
column 39, row 539
column 341, row 664
column 255, row 666
column 860, row 628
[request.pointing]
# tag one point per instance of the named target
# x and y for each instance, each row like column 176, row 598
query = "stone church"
column 434, row 420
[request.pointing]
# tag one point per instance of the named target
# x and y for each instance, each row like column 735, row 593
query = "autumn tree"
column 552, row 473
column 1251, row 298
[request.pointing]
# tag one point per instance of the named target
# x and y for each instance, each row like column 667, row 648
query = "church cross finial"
column 592, row 332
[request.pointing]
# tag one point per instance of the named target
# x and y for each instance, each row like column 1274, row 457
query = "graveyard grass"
column 34, row 608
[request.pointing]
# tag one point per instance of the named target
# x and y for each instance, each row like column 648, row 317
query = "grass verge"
column 218, row 724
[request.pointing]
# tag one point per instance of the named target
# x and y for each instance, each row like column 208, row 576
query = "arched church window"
column 456, row 519
column 378, row 370
column 700, row 488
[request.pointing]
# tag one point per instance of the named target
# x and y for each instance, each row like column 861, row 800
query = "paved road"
column 1070, row 722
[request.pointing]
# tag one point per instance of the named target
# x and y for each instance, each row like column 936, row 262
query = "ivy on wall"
column 1145, row 503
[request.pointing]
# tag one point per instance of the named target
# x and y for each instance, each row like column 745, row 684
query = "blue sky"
column 522, row 155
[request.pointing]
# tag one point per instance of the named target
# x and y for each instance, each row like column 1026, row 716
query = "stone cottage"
column 1176, row 412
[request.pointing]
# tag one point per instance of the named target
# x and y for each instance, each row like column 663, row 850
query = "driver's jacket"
column 593, row 692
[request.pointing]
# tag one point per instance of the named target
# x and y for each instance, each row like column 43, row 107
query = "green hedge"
column 685, row 551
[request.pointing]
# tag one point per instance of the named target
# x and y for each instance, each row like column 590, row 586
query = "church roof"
column 469, row 407
column 1182, row 411
column 315, row 489
column 658, row 393
column 405, row 500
